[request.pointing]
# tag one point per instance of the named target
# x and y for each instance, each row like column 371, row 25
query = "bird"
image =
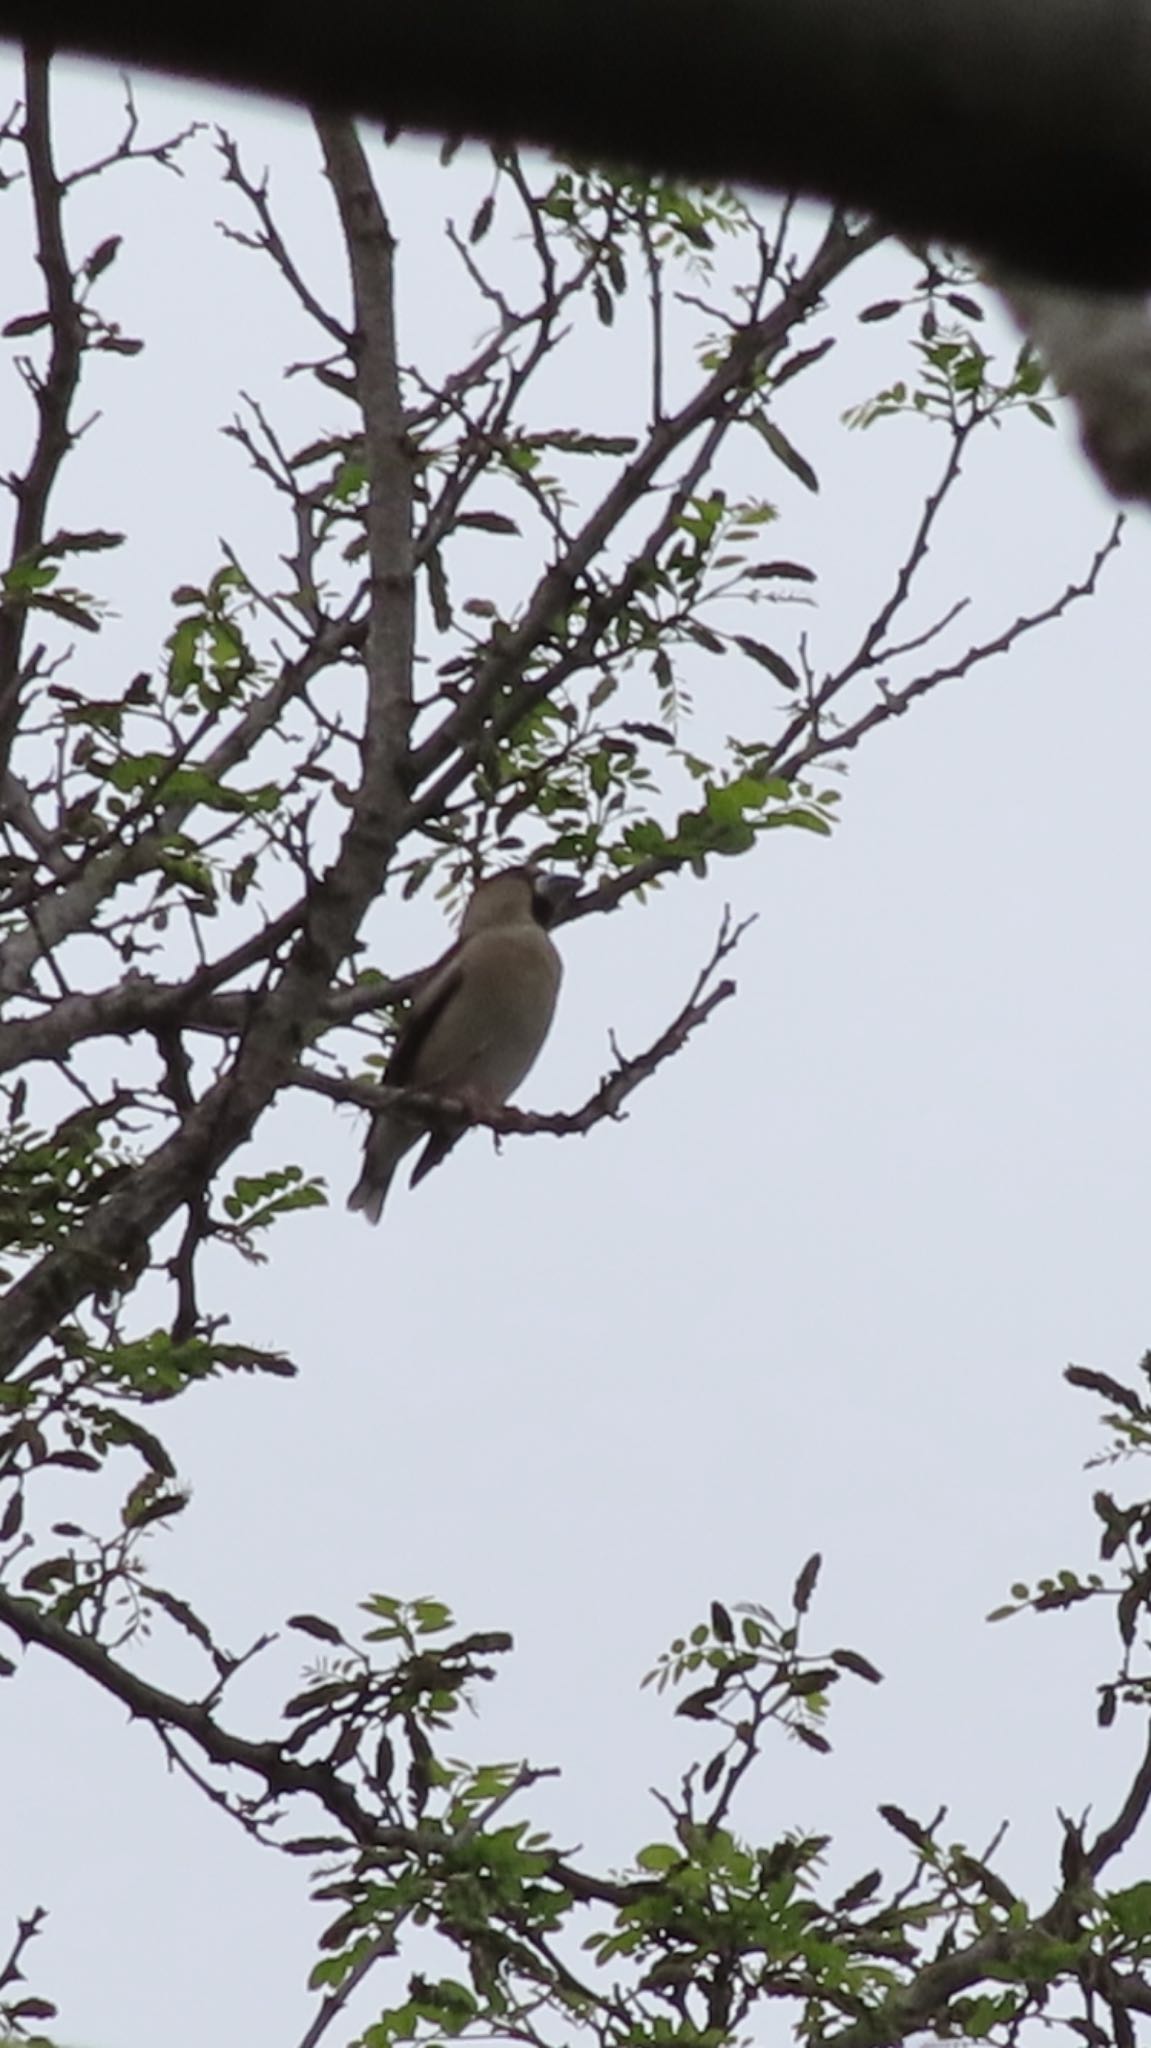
column 476, row 1026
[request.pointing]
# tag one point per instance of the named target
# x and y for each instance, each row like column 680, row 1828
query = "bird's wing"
column 428, row 1007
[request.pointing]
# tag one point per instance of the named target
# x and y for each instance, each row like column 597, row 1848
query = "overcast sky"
column 816, row 1292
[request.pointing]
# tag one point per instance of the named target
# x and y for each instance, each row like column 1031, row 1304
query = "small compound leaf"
column 25, row 323
column 488, row 522
column 857, row 1894
column 805, row 1583
column 698, row 1705
column 1102, row 1383
column 315, row 1625
column 102, row 255
column 721, row 1623
column 757, row 651
column 801, row 360
column 1105, row 1714
column 850, row 1660
column 798, row 571
column 911, row 1830
column 785, row 451
column 712, row 1774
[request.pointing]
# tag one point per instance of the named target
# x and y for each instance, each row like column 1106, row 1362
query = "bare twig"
column 891, row 703
column 269, row 238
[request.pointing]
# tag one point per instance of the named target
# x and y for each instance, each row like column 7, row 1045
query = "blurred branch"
column 1097, row 347
column 1022, row 130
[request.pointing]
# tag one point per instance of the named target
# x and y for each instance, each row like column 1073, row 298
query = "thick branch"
column 391, row 621
column 138, row 1002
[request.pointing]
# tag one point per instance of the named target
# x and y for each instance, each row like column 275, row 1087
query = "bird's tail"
column 440, row 1143
column 371, row 1192
column 389, row 1138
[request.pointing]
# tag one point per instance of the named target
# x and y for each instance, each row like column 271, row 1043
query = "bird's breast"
column 491, row 1035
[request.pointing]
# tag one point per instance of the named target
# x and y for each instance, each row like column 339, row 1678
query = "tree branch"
column 53, row 392
column 391, row 614
column 117, row 1232
column 752, row 346
column 279, row 1772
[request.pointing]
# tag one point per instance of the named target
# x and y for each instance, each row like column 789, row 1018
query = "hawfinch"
column 476, row 1026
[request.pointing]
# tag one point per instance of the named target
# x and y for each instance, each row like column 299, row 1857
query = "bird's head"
column 518, row 896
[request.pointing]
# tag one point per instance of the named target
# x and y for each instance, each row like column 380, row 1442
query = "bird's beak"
column 553, row 893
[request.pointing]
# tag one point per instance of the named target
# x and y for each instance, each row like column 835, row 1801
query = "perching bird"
column 476, row 1026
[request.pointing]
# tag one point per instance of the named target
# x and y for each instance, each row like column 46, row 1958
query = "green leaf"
column 659, row 1856
column 1131, row 1910
column 431, row 1616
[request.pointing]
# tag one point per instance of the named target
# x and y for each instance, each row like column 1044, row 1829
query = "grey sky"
column 816, row 1292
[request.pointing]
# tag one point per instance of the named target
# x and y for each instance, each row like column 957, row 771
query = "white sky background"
column 816, row 1292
